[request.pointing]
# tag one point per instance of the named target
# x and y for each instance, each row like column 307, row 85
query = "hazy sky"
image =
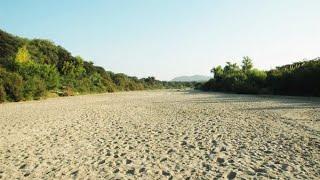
column 169, row 38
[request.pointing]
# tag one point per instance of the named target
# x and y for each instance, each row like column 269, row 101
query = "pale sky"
column 169, row 38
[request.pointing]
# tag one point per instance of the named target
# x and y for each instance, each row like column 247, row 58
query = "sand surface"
column 161, row 135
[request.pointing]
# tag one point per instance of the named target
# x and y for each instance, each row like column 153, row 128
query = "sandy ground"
column 161, row 135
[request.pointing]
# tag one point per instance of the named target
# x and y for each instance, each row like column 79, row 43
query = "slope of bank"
column 30, row 68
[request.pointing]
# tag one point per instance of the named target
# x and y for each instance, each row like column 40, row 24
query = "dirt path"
column 161, row 134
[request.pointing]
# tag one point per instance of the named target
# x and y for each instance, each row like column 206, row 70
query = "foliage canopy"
column 301, row 78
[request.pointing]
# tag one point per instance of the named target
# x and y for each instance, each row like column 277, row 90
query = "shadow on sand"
column 285, row 102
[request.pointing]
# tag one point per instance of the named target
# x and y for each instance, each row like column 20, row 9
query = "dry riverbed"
column 161, row 134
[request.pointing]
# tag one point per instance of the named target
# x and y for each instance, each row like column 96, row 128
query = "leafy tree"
column 23, row 55
column 217, row 72
column 247, row 64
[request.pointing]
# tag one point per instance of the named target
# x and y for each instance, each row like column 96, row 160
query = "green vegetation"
column 301, row 78
column 29, row 69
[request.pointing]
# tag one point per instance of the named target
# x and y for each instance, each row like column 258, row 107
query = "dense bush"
column 9, row 44
column 34, row 88
column 2, row 93
column 12, row 84
column 302, row 78
column 47, row 73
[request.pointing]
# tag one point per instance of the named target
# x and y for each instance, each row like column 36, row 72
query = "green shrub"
column 111, row 88
column 51, row 76
column 2, row 94
column 48, row 73
column 9, row 64
column 83, row 85
column 13, row 85
column 34, row 88
column 40, row 90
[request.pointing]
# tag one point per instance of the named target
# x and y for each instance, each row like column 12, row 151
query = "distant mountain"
column 195, row 78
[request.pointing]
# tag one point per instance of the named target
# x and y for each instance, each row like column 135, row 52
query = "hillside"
column 33, row 68
column 195, row 78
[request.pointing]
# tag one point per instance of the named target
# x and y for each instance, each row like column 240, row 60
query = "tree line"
column 35, row 68
column 300, row 78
